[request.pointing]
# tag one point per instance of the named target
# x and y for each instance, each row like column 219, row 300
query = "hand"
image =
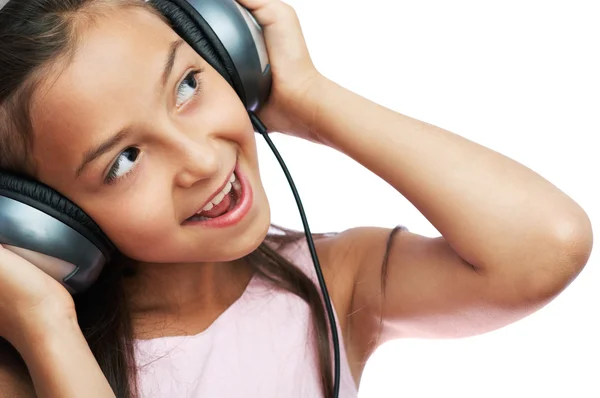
column 294, row 75
column 28, row 296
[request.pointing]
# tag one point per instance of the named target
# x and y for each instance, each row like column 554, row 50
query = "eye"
column 123, row 165
column 188, row 88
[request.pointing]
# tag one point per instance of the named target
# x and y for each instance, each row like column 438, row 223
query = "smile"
column 228, row 206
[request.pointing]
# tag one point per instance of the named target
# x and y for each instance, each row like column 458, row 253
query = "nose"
column 197, row 160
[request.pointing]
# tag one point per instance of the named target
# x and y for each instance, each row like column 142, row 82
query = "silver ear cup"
column 23, row 226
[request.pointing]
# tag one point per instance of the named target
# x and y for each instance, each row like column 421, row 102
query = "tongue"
column 219, row 209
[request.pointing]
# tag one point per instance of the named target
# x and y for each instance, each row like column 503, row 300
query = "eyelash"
column 194, row 75
column 112, row 177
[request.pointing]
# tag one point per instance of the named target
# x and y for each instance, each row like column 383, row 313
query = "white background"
column 520, row 77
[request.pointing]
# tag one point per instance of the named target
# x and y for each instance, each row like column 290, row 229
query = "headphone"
column 36, row 217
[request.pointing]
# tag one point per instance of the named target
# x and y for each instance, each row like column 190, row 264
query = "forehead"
column 114, row 73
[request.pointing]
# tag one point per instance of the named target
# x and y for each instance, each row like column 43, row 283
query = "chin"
column 234, row 244
column 203, row 251
column 251, row 238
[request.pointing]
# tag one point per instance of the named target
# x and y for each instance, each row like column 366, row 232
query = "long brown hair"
column 36, row 35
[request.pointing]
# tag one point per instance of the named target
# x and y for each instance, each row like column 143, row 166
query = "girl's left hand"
column 288, row 109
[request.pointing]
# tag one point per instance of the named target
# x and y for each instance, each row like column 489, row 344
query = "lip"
column 237, row 213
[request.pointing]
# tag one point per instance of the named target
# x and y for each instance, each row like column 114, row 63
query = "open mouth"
column 223, row 202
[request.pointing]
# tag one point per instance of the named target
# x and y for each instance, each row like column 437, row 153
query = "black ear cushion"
column 49, row 201
column 191, row 27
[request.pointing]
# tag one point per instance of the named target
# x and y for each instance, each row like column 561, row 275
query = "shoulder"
column 14, row 378
column 342, row 257
column 345, row 255
column 336, row 255
column 352, row 263
column 349, row 258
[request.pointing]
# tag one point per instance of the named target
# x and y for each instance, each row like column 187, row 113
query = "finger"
column 267, row 12
column 11, row 262
column 254, row 5
column 56, row 268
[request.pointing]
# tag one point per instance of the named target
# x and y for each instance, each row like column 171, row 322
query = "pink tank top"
column 261, row 346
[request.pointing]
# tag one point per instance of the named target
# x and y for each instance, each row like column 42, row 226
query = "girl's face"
column 141, row 140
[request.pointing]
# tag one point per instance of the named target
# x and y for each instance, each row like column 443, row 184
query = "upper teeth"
column 217, row 199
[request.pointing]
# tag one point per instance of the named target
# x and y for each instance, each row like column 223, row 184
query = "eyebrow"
column 101, row 149
column 171, row 60
column 112, row 142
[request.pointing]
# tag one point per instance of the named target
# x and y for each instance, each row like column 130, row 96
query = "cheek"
column 243, row 135
column 222, row 113
column 135, row 227
column 136, row 220
column 247, row 142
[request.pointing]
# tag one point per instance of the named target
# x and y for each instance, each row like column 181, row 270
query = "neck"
column 186, row 297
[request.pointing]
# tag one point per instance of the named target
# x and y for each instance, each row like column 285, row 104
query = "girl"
column 197, row 307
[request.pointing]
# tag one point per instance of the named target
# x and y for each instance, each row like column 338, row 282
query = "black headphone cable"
column 261, row 128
